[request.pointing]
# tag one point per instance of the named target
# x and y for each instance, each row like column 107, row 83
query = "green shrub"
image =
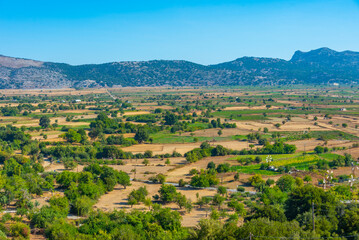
column 19, row 229
column 82, row 206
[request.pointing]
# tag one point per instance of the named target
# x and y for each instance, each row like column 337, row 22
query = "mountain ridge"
column 319, row 66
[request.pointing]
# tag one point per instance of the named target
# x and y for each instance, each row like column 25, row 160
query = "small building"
column 343, row 109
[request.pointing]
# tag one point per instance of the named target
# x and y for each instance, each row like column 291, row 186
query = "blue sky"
column 202, row 31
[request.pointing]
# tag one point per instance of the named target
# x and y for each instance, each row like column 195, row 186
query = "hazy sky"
column 202, row 31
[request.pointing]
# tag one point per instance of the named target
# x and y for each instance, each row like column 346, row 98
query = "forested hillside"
column 319, row 66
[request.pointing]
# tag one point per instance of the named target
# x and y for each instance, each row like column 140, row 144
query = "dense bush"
column 204, row 179
column 120, row 140
column 19, row 230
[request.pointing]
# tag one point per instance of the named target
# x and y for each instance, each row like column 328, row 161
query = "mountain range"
column 320, row 66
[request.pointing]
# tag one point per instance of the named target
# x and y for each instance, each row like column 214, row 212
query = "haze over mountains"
column 321, row 66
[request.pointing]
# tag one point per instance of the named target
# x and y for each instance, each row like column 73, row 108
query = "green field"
column 299, row 161
column 323, row 135
column 175, row 138
column 73, row 127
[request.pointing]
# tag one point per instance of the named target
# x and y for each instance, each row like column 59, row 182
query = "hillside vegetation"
column 319, row 66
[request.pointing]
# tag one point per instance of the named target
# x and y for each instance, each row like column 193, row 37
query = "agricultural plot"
column 296, row 161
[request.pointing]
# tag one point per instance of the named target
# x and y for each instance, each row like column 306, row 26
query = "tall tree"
column 141, row 135
column 44, row 122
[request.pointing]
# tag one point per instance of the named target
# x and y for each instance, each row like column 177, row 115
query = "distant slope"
column 319, row 66
column 327, row 57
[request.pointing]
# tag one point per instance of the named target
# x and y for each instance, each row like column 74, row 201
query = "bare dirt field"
column 181, row 147
column 127, row 135
column 296, row 124
column 135, row 113
column 352, row 122
column 352, row 151
column 213, row 132
column 309, row 145
column 143, row 172
column 345, row 170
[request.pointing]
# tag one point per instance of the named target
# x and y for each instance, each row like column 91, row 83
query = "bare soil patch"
column 181, row 147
